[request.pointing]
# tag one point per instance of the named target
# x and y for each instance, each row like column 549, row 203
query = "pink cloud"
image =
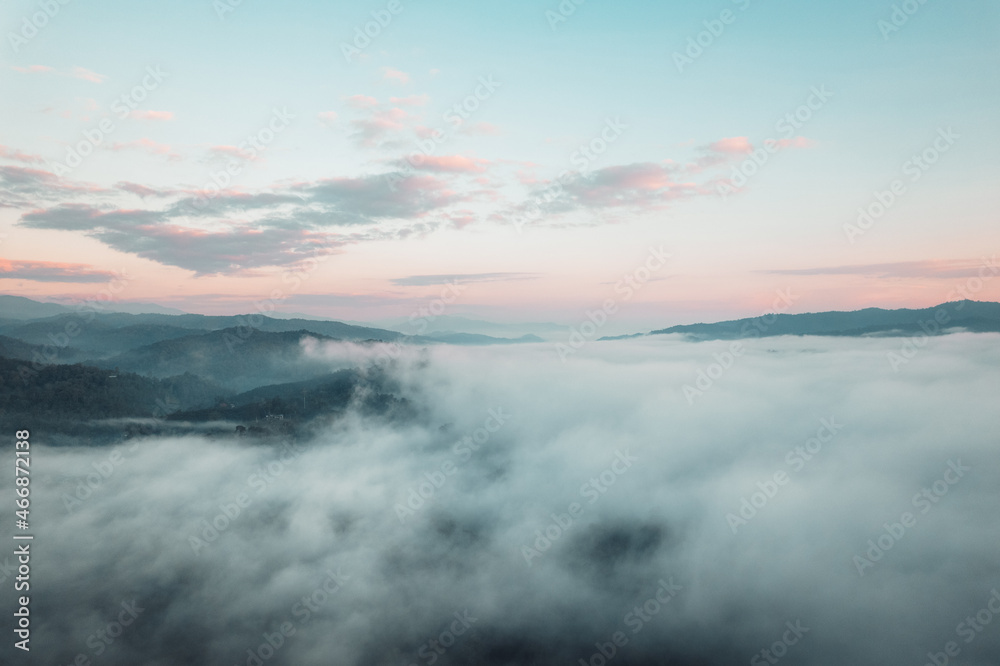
column 412, row 100
column 451, row 164
column 361, row 101
column 327, row 117
column 527, row 177
column 152, row 115
column 42, row 185
column 32, row 69
column 390, row 74
column 87, row 75
column 375, row 197
column 646, row 176
column 797, row 142
column 232, row 249
column 51, row 271
column 81, row 73
column 481, row 129
column 232, row 151
column 644, row 185
column 735, row 149
column 736, row 145
column 462, row 218
column 142, row 191
column 720, row 152
column 146, row 145
column 19, row 156
column 371, row 131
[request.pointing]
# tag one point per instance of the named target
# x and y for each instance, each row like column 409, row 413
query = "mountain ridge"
column 976, row 316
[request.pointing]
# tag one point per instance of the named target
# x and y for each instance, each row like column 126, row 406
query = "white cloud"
column 664, row 517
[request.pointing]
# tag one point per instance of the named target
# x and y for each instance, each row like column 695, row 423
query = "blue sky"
column 656, row 184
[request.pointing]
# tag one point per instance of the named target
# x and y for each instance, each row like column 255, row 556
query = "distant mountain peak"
column 975, row 316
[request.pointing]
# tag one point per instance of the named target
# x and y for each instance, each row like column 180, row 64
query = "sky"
column 229, row 157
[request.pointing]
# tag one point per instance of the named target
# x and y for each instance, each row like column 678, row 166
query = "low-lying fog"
column 542, row 512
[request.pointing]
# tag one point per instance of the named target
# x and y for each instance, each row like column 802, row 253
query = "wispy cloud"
column 448, row 164
column 23, row 187
column 412, row 100
column 148, row 146
column 391, row 74
column 19, row 156
column 144, row 191
column 152, row 115
column 87, row 75
column 33, row 69
column 233, row 151
column 430, row 280
column 378, row 126
column 361, row 101
column 49, row 271
column 927, row 269
column 81, row 73
column 642, row 185
column 233, row 232
column 480, row 129
column 737, row 145
column 151, row 235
